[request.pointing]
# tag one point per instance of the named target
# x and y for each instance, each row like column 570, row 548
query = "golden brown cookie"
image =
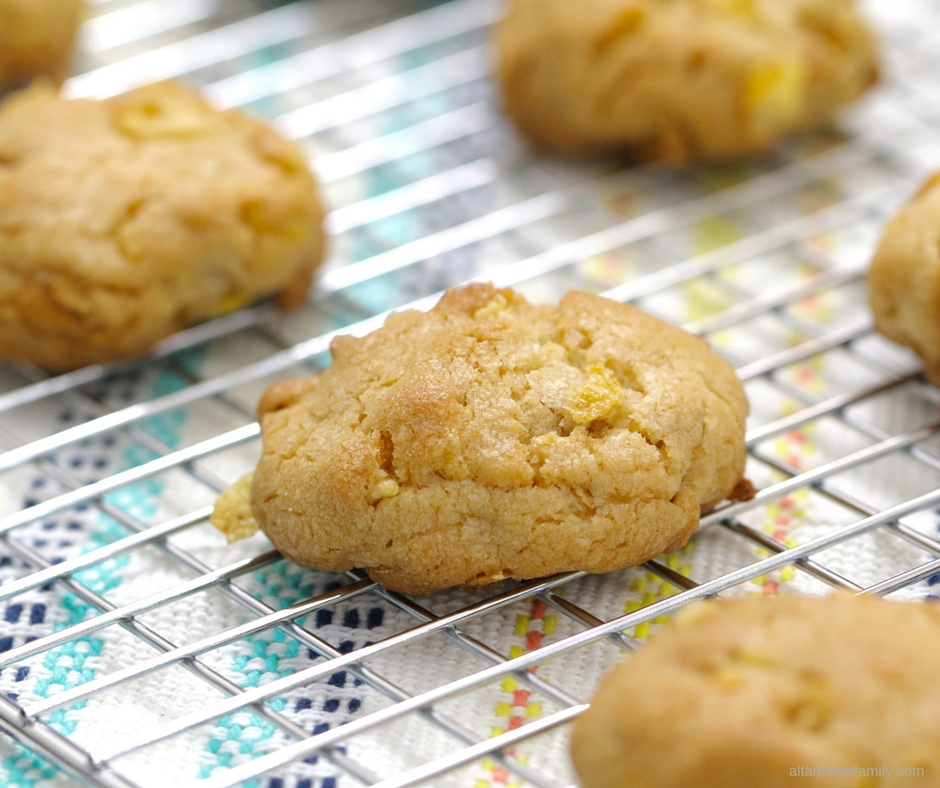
column 123, row 221
column 489, row 438
column 745, row 693
column 36, row 39
column 904, row 280
column 680, row 79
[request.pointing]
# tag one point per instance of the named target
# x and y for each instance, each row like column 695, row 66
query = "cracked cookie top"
column 36, row 38
column 744, row 692
column 489, row 438
column 680, row 79
column 122, row 221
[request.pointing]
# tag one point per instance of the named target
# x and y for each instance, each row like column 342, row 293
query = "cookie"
column 749, row 692
column 125, row 220
column 679, row 80
column 490, row 439
column 36, row 39
column 904, row 279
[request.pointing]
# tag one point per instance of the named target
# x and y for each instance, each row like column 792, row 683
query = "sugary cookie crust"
column 680, row 79
column 740, row 693
column 123, row 221
column 490, row 438
column 36, row 39
column 904, row 280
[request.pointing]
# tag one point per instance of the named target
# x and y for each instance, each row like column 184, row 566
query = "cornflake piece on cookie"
column 904, row 280
column 747, row 692
column 36, row 39
column 490, row 439
column 683, row 79
column 123, row 221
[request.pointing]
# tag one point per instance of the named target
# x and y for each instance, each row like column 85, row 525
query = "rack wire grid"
column 138, row 649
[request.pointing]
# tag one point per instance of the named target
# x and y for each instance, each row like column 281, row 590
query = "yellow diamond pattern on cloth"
column 517, row 703
column 647, row 589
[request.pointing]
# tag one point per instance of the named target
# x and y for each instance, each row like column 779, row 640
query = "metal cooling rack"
column 431, row 187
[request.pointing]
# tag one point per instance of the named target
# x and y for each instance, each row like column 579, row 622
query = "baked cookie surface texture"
column 123, row 221
column 489, row 438
column 746, row 693
column 680, row 79
column 36, row 39
column 904, row 279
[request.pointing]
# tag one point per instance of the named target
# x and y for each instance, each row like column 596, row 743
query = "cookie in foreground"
column 680, row 80
column 36, row 39
column 489, row 439
column 904, row 279
column 753, row 693
column 125, row 220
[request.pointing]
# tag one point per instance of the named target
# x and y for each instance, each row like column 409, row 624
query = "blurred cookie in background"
column 681, row 80
column 36, row 39
column 904, row 280
column 754, row 692
column 125, row 220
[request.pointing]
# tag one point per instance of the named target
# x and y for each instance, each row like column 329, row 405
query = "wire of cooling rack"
column 431, row 188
